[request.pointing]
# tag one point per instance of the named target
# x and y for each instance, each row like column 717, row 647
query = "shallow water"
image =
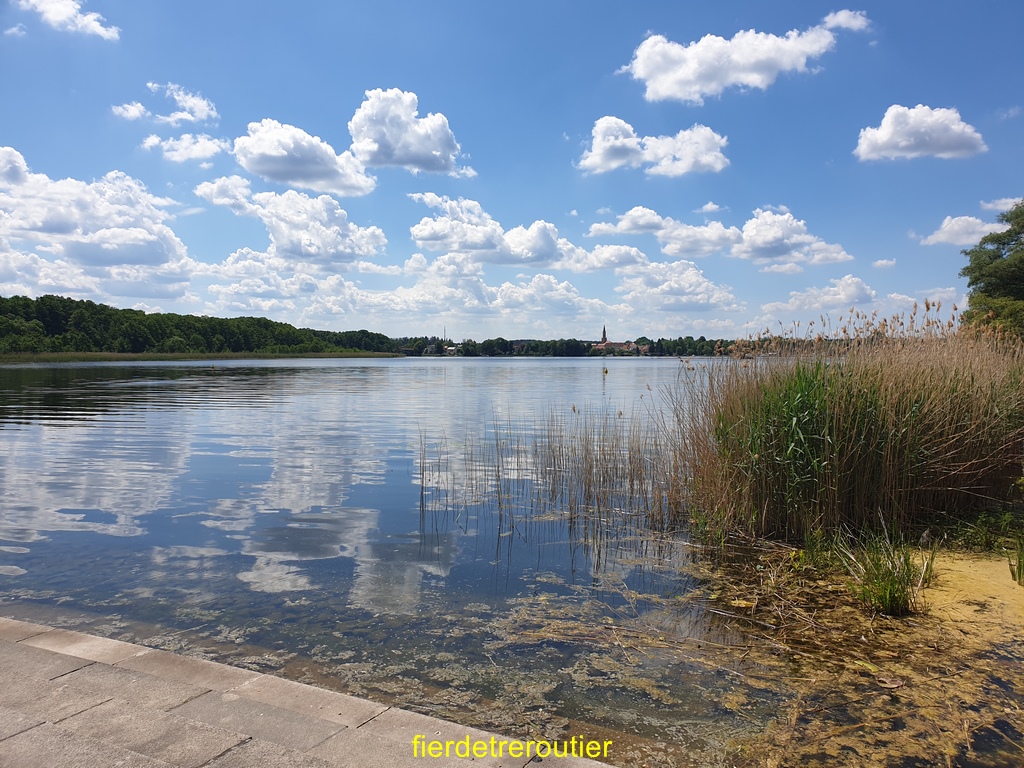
column 402, row 530
column 330, row 512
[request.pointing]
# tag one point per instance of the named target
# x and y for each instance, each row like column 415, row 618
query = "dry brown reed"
column 876, row 422
column 869, row 426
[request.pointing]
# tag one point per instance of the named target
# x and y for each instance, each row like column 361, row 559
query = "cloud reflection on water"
column 260, row 471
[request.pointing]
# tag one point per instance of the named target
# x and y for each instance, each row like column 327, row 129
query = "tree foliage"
column 995, row 275
column 60, row 324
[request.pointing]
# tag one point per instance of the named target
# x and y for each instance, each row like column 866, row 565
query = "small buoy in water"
column 605, row 371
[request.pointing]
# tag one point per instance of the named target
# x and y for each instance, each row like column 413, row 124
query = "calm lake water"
column 320, row 518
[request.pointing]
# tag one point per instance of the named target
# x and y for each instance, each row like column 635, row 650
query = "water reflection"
column 370, row 511
column 283, row 462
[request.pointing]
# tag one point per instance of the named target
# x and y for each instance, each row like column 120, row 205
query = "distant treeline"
column 59, row 324
column 500, row 347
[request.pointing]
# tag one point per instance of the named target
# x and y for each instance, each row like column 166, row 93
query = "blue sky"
column 524, row 170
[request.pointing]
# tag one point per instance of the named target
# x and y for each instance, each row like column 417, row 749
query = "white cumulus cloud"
column 676, row 238
column 772, row 238
column 615, row 144
column 778, row 237
column 130, row 111
column 288, row 155
column 848, row 291
column 187, row 147
column 961, row 230
column 387, row 131
column 114, row 220
column 750, row 59
column 919, row 132
column 855, row 20
column 543, row 295
column 463, row 227
column 785, row 268
column 460, row 226
column 1002, row 204
column 673, row 287
column 192, row 108
column 67, row 16
column 314, row 231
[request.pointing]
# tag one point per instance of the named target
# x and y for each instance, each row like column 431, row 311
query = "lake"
column 375, row 526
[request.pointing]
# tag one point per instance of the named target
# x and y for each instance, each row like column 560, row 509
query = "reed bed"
column 609, row 476
column 848, row 443
column 882, row 425
column 878, row 426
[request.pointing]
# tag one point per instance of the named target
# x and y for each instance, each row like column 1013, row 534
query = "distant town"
column 680, row 347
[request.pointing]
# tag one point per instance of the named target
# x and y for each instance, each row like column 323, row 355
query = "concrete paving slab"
column 22, row 661
column 262, row 721
column 84, row 646
column 152, row 708
column 185, row 669
column 307, row 700
column 14, row 630
column 49, row 701
column 138, row 688
column 175, row 740
column 356, row 748
column 570, row 762
column 263, row 754
column 50, row 746
column 402, row 725
column 13, row 722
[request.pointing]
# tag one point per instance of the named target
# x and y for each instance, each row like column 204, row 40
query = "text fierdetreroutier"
column 494, row 746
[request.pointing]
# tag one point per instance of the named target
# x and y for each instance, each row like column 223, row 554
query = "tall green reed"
column 888, row 421
column 876, row 425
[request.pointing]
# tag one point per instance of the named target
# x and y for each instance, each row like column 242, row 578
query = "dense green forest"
column 57, row 324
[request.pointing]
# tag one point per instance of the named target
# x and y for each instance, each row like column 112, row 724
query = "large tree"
column 995, row 275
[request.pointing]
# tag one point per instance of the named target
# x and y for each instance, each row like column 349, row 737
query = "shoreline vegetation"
column 51, row 325
column 881, row 428
column 822, row 487
column 822, row 482
column 130, row 357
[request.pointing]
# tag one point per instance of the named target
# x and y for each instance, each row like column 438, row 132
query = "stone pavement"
column 71, row 700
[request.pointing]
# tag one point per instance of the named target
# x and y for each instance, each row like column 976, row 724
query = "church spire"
column 604, row 334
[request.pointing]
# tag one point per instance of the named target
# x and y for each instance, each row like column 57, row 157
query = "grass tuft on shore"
column 1016, row 560
column 887, row 577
